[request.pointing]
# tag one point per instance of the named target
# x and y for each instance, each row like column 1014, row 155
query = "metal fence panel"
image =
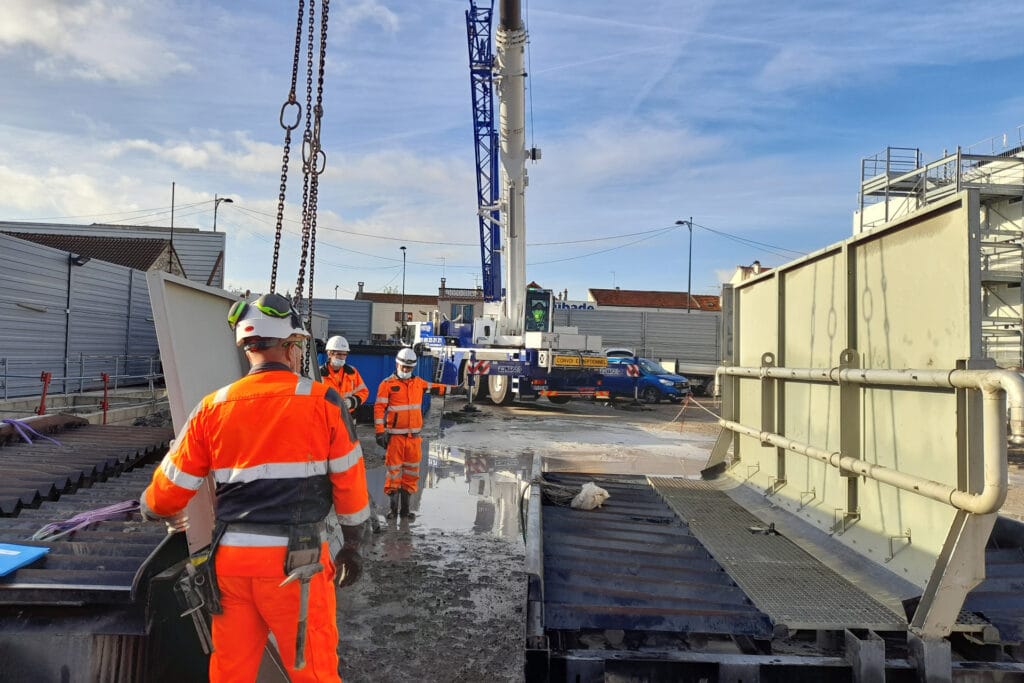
column 105, row 326
column 349, row 318
column 691, row 336
column 33, row 299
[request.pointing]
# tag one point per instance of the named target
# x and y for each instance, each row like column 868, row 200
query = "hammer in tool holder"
column 302, row 562
column 303, row 573
column 188, row 589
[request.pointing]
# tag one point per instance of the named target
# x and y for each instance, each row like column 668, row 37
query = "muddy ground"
column 442, row 598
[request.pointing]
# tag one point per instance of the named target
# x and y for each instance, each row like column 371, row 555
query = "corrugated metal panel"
column 686, row 336
column 33, row 298
column 348, row 318
column 662, row 335
column 109, row 304
column 99, row 320
column 198, row 250
column 617, row 328
column 142, row 344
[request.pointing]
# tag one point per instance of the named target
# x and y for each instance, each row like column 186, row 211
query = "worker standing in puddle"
column 398, row 421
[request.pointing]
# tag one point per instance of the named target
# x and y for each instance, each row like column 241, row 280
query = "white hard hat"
column 337, row 343
column 406, row 356
column 270, row 317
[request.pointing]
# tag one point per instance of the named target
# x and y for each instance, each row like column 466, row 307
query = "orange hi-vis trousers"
column 403, row 463
column 255, row 606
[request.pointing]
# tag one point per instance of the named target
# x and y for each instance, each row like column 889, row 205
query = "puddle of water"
column 468, row 491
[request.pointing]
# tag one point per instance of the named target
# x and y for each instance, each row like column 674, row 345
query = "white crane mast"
column 510, row 77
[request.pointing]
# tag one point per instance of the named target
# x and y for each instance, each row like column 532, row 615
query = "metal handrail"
column 995, row 385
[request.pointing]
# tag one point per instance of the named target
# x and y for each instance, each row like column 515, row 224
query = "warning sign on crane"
column 478, row 367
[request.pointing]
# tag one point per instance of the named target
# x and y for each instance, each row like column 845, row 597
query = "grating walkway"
column 784, row 581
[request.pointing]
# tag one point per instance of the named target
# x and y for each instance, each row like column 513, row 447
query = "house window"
column 398, row 316
column 464, row 310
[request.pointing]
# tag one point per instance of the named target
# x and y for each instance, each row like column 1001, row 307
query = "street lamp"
column 403, row 291
column 216, row 202
column 689, row 262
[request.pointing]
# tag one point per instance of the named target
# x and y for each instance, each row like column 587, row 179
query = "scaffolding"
column 897, row 182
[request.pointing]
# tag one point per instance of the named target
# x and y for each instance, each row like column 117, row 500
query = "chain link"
column 286, row 155
column 314, row 160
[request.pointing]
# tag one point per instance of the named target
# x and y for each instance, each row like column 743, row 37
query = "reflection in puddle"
column 461, row 490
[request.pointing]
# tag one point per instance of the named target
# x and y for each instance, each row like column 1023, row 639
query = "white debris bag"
column 590, row 496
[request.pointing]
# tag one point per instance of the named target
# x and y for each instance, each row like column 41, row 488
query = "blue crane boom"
column 485, row 136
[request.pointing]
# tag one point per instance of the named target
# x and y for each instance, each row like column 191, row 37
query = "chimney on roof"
column 756, row 266
column 360, row 288
column 565, row 294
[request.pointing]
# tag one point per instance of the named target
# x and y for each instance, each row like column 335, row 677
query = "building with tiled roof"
column 132, row 252
column 387, row 310
column 199, row 253
column 653, row 300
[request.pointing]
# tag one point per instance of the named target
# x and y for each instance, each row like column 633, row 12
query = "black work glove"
column 382, row 440
column 348, row 561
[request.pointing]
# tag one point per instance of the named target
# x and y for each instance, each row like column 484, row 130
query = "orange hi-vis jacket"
column 347, row 381
column 280, row 450
column 398, row 409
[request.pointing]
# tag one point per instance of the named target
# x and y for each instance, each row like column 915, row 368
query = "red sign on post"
column 632, row 370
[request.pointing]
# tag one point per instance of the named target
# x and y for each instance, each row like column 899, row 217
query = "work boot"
column 405, row 506
column 393, row 512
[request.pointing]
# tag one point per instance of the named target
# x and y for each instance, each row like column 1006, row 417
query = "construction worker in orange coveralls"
column 345, row 379
column 397, row 421
column 281, row 451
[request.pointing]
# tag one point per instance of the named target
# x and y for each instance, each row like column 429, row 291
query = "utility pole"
column 170, row 250
column 689, row 263
column 403, row 291
column 216, row 202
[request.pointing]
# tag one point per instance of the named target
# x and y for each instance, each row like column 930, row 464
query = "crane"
column 481, row 65
column 514, row 338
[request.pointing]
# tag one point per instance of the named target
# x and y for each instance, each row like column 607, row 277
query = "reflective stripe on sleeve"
column 382, row 400
column 379, row 421
column 411, row 406
column 270, row 470
column 179, row 477
column 355, row 517
column 342, row 464
column 221, row 395
column 412, row 432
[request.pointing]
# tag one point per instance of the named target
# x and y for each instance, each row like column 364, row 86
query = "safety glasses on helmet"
column 273, row 305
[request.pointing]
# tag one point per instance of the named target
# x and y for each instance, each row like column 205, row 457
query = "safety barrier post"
column 45, row 379
column 104, row 404
column 634, row 369
column 470, row 383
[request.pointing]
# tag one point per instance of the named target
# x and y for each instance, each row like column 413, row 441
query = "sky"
column 749, row 119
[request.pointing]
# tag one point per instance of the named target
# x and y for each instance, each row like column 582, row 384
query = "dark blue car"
column 654, row 383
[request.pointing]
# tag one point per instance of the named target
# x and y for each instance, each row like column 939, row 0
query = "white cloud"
column 89, row 39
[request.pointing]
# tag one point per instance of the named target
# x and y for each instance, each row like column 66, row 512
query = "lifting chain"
column 288, row 128
column 314, row 160
column 313, row 163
